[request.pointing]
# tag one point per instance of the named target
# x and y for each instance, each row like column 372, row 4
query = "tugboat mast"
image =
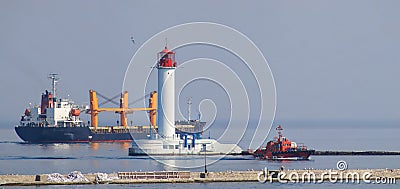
column 279, row 129
column 54, row 79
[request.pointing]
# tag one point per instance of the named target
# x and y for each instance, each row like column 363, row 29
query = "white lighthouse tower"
column 167, row 142
column 166, row 90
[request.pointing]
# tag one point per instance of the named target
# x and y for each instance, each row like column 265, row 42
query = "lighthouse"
column 168, row 142
column 166, row 89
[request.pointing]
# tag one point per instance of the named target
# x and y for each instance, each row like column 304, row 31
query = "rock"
column 101, row 177
column 75, row 176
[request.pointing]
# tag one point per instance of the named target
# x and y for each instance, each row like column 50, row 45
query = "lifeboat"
column 75, row 112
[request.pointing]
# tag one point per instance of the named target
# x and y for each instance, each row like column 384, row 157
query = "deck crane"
column 123, row 110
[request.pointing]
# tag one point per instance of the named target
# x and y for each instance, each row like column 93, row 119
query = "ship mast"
column 189, row 103
column 54, row 79
column 279, row 130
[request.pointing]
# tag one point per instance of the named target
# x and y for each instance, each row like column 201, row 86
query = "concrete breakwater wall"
column 356, row 153
column 77, row 178
column 317, row 153
column 343, row 153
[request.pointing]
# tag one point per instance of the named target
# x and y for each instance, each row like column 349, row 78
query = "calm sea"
column 17, row 157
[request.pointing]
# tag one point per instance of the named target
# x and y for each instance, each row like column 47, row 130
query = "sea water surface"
column 17, row 157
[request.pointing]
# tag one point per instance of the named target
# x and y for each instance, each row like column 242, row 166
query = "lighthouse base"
column 180, row 147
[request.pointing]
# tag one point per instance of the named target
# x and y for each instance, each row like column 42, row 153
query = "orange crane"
column 123, row 110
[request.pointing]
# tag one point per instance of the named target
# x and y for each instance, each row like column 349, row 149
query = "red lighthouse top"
column 166, row 58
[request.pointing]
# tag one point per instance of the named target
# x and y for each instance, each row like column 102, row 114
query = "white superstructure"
column 52, row 112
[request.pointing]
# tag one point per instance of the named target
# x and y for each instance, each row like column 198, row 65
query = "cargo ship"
column 58, row 120
column 282, row 148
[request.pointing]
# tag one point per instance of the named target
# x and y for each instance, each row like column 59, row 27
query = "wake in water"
column 11, row 142
column 30, row 158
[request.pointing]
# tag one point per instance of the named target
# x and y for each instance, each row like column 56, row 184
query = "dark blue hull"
column 70, row 134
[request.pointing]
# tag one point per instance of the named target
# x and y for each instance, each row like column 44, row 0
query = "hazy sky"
column 331, row 60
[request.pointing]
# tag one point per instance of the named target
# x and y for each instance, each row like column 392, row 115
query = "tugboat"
column 282, row 148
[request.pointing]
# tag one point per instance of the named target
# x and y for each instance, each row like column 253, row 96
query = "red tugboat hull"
column 295, row 155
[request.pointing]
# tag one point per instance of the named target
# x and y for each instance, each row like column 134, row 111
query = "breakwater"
column 356, row 153
column 343, row 153
column 77, row 178
column 316, row 153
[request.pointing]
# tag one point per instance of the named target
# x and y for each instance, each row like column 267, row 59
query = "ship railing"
column 109, row 129
column 301, row 146
column 154, row 175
